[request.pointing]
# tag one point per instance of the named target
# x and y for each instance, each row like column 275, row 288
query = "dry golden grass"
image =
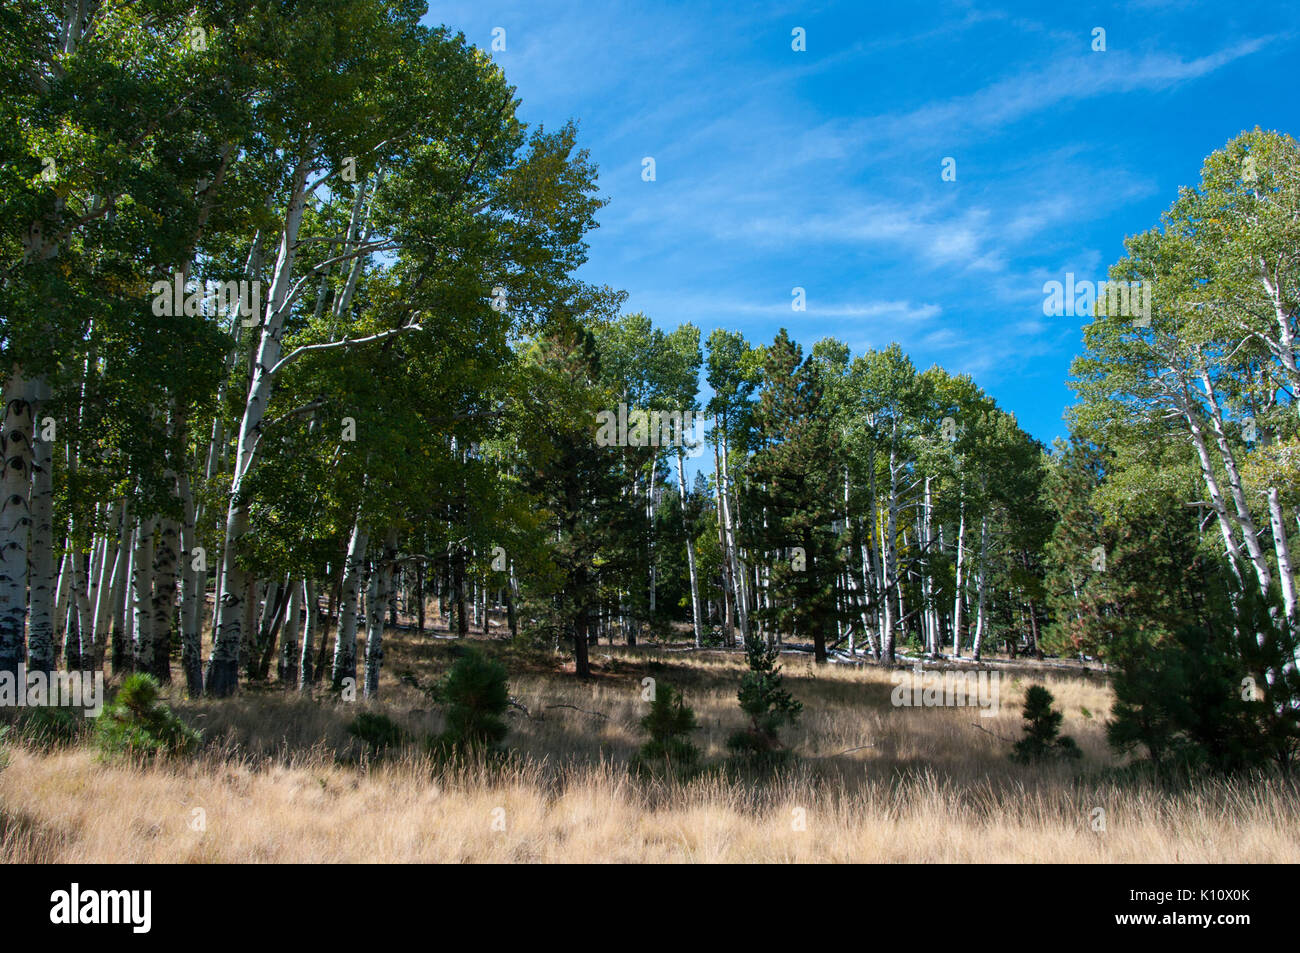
column 281, row 781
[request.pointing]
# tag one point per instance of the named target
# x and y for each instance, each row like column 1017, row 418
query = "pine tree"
column 477, row 695
column 669, row 725
column 767, row 703
column 792, row 482
column 1043, row 739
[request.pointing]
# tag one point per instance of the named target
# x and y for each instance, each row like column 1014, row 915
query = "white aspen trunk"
column 381, row 583
column 120, row 635
column 981, row 601
column 62, row 592
column 728, row 596
column 1284, row 345
column 355, row 229
column 305, row 661
column 80, row 606
column 265, row 626
column 223, row 666
column 110, row 569
column 192, row 586
column 483, row 595
column 15, row 521
column 650, row 516
column 71, row 637
column 764, row 586
column 40, row 645
column 1245, row 522
column 850, row 587
column 868, row 583
column 858, row 589
column 696, row 616
column 958, row 605
column 890, row 556
column 1285, row 572
column 142, row 563
column 99, row 554
column 290, row 651
column 1212, row 488
column 929, row 613
column 166, row 542
column 737, row 568
column 345, row 642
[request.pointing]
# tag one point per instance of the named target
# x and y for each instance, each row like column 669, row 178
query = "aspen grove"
column 295, row 353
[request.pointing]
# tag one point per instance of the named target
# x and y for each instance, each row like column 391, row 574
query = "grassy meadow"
column 280, row 779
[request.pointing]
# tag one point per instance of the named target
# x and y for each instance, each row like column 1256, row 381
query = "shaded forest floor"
column 281, row 779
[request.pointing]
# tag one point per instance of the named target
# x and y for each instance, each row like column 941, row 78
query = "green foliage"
column 1218, row 696
column 138, row 723
column 795, row 480
column 477, row 695
column 377, row 730
column 592, row 527
column 1043, row 740
column 765, row 701
column 1131, row 502
column 47, row 727
column 669, row 724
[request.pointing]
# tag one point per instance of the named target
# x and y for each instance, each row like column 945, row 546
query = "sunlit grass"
column 281, row 780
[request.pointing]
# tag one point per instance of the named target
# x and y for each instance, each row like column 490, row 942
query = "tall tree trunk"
column 728, row 597
column 15, row 521
column 40, row 646
column 277, row 601
column 458, row 582
column 193, row 584
column 336, row 593
column 142, row 566
column 290, row 651
column 308, row 636
column 733, row 558
column 345, row 643
column 1245, row 521
column 419, row 597
column 981, row 588
column 381, row 583
column 111, row 569
column 121, row 608
column 223, row 666
column 1208, row 475
column 697, row 619
column 1285, row 572
column 958, row 605
column 580, row 623
column 512, row 588
column 889, row 556
column 164, row 599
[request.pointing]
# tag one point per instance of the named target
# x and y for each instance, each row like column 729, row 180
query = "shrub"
column 1043, row 740
column 377, row 731
column 138, row 723
column 767, row 703
column 48, row 727
column 1221, row 695
column 477, row 695
column 669, row 725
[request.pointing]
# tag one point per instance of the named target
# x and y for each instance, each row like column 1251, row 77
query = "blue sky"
column 822, row 169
